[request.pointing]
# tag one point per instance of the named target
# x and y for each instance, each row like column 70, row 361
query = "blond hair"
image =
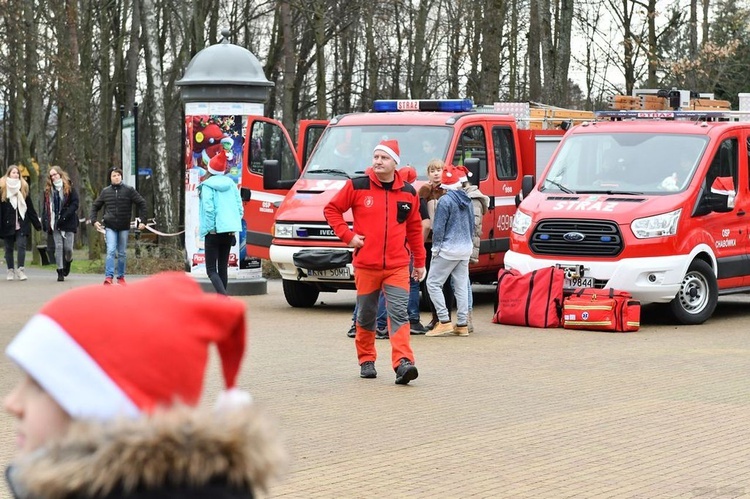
column 435, row 164
column 3, row 188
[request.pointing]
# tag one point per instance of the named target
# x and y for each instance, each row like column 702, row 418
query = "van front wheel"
column 698, row 295
column 299, row 294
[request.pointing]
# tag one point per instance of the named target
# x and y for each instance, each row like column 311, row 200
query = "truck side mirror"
column 721, row 197
column 245, row 194
column 472, row 164
column 272, row 176
column 527, row 184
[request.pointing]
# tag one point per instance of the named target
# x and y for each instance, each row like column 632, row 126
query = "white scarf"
column 13, row 191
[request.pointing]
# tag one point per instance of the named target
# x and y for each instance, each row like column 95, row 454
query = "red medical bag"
column 601, row 310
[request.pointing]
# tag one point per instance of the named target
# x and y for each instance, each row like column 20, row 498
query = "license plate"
column 339, row 273
column 579, row 282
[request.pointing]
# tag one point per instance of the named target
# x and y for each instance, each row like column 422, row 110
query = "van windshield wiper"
column 560, row 186
column 611, row 192
column 330, row 171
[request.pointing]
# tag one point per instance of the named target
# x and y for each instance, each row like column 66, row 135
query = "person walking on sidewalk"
column 17, row 214
column 409, row 175
column 118, row 200
column 387, row 231
column 60, row 217
column 452, row 233
column 220, row 218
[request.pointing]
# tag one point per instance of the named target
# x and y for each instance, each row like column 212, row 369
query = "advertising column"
column 209, row 128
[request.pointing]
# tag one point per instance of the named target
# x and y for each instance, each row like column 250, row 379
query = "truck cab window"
column 472, row 144
column 267, row 141
column 724, row 163
column 505, row 153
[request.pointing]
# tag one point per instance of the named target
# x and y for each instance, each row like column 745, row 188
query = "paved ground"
column 505, row 413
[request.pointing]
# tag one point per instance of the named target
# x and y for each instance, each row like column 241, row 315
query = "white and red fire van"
column 285, row 211
column 656, row 207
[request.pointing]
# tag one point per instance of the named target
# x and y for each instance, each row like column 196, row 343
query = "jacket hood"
column 460, row 198
column 219, row 183
column 179, row 447
column 475, row 194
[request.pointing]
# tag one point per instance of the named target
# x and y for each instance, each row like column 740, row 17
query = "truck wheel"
column 299, row 294
column 698, row 295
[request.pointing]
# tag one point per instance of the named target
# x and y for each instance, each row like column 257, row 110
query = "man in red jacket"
column 386, row 217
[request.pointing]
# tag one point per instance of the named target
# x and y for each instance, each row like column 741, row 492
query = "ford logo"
column 573, row 236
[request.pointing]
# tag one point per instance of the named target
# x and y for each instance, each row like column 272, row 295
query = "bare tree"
column 534, row 46
column 155, row 94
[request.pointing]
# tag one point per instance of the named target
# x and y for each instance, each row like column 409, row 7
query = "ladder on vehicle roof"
column 673, row 115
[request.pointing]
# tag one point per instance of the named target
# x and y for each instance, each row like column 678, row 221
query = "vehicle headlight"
column 656, row 226
column 521, row 223
column 283, row 230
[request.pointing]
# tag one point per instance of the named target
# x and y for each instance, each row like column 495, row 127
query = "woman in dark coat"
column 17, row 214
column 60, row 217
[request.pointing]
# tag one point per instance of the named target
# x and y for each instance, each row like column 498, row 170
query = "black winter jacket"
column 8, row 219
column 67, row 218
column 118, row 203
column 179, row 453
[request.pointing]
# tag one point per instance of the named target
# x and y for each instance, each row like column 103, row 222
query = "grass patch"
column 152, row 259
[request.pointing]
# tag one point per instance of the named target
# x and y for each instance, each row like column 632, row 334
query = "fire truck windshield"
column 627, row 163
column 347, row 150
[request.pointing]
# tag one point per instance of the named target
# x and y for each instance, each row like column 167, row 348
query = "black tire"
column 299, row 294
column 696, row 300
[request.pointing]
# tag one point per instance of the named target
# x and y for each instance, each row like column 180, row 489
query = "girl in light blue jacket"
column 220, row 218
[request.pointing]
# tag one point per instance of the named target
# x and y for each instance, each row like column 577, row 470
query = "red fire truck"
column 285, row 211
column 653, row 203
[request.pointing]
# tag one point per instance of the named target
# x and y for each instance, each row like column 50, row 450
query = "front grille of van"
column 576, row 238
column 310, row 231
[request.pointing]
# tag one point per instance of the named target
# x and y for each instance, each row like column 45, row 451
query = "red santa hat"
column 390, row 147
column 451, row 178
column 218, row 164
column 151, row 353
column 408, row 174
column 464, row 172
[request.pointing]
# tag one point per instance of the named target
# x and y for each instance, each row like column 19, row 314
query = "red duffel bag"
column 601, row 310
column 533, row 299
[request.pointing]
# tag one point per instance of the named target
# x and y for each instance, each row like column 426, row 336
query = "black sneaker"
column 352, row 331
column 381, row 334
column 406, row 372
column 416, row 327
column 367, row 370
column 66, row 268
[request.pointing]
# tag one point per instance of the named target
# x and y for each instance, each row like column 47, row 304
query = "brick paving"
column 508, row 412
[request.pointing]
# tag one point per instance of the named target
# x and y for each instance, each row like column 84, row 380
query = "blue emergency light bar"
column 444, row 105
